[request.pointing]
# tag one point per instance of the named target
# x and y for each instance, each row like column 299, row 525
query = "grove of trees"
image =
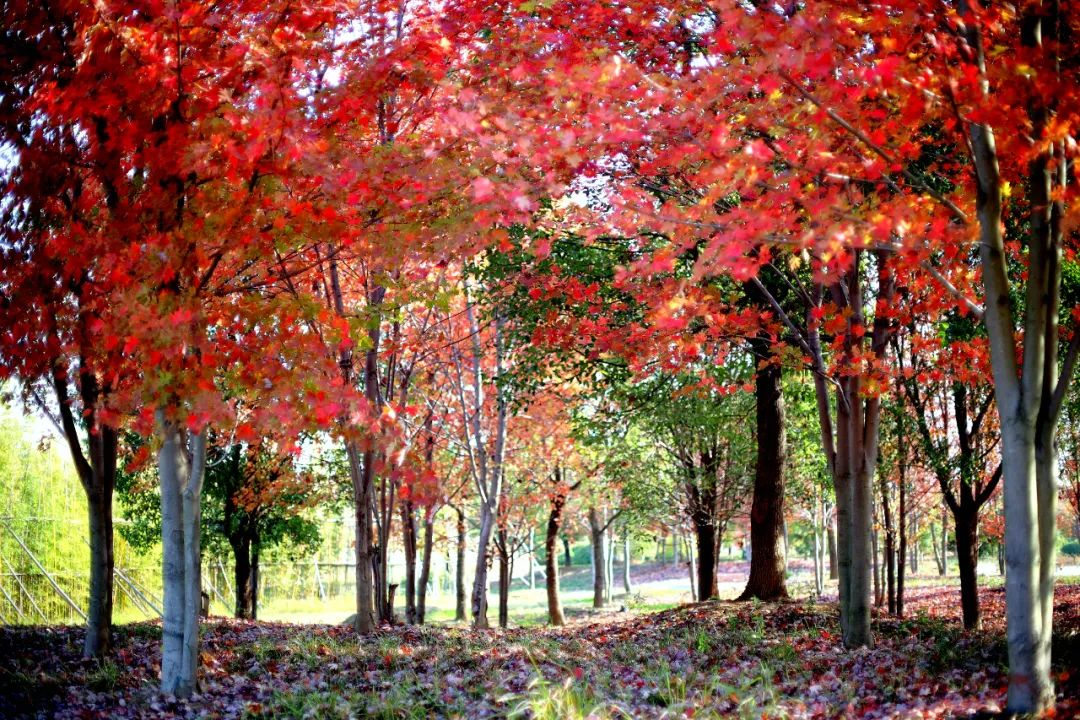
column 630, row 267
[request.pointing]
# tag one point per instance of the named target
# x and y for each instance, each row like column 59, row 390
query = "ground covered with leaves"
column 709, row 660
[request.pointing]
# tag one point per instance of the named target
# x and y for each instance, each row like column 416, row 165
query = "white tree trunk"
column 181, row 462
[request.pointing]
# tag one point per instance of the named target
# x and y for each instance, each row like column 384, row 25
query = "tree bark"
column 551, row 561
column 360, row 464
column 596, row 541
column 100, row 609
column 831, row 532
column 967, row 556
column 1025, row 399
column 879, row 587
column 489, row 476
column 890, row 549
column 768, row 568
column 627, row 553
column 459, row 607
column 705, row 544
column 425, row 566
column 568, row 557
column 901, row 560
column 504, row 578
column 181, row 461
column 242, row 576
column 97, row 475
column 408, row 539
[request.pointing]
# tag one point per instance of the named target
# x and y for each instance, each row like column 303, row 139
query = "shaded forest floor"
column 717, row 659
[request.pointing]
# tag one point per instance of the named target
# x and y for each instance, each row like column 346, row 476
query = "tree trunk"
column 531, row 557
column 551, row 561
column 901, row 559
column 944, row 570
column 99, row 613
column 459, row 608
column 97, row 475
column 425, row 566
column 360, row 470
column 242, row 575
column 967, row 558
column 609, row 561
column 408, row 539
column 181, row 461
column 568, row 557
column 936, row 547
column 1024, row 396
column 767, row 563
column 879, row 587
column 596, row 541
column 705, row 545
column 504, row 578
column 627, row 557
column 831, row 532
column 890, row 547
column 483, row 559
column 692, row 570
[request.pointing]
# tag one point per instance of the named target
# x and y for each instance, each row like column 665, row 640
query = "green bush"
column 1071, row 548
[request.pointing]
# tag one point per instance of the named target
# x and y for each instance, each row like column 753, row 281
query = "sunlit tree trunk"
column 505, row 577
column 459, row 586
column 181, row 462
column 597, row 537
column 409, row 541
column 1029, row 396
column 425, row 566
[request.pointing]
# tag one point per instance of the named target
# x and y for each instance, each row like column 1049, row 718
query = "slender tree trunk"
column 531, row 557
column 627, row 557
column 99, row 612
column 568, row 557
column 944, row 541
column 609, row 561
column 256, row 577
column 425, row 566
column 181, row 461
column 967, row 558
column 596, row 540
column 890, row 547
column 97, row 474
column 767, row 579
column 862, row 525
column 831, row 546
column 692, row 569
column 241, row 547
column 483, row 559
column 879, row 595
column 360, row 465
column 504, row 578
column 705, row 545
column 408, row 539
column 1023, row 396
column 842, row 485
column 551, row 561
column 459, row 611
column 937, row 547
column 901, row 560
column 365, row 601
column 490, row 475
